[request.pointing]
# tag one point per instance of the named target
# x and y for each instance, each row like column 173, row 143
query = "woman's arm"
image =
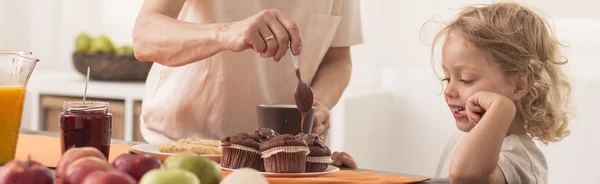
column 159, row 37
column 332, row 76
column 329, row 83
column 475, row 159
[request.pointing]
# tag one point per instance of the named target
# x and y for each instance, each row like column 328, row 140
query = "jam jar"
column 85, row 124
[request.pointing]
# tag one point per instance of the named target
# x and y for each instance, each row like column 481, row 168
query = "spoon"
column 87, row 79
column 303, row 93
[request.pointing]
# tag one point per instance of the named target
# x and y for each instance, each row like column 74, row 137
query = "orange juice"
column 11, row 109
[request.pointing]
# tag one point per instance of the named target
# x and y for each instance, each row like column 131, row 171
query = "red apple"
column 73, row 154
column 25, row 172
column 111, row 177
column 79, row 169
column 136, row 165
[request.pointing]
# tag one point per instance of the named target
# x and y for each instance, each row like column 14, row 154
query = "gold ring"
column 269, row 38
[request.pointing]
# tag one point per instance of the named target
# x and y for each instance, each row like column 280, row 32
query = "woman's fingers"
column 293, row 31
column 269, row 33
column 276, row 32
column 282, row 37
column 255, row 39
column 343, row 159
column 270, row 41
column 348, row 161
column 334, row 157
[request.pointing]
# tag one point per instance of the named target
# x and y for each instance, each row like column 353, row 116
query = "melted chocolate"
column 298, row 75
column 304, row 97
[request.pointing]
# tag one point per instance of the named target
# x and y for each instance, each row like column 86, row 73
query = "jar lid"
column 85, row 106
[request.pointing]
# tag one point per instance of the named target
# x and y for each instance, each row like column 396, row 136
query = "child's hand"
column 343, row 159
column 480, row 102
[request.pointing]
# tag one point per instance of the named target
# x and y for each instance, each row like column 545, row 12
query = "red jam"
column 86, row 124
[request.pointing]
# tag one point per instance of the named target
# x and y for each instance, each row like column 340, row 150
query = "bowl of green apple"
column 107, row 61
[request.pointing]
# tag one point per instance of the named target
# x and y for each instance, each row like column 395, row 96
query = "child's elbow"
column 455, row 179
column 460, row 176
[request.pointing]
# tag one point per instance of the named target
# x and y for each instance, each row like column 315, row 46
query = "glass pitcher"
column 15, row 69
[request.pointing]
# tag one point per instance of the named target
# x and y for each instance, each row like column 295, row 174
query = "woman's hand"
column 343, row 159
column 321, row 120
column 269, row 33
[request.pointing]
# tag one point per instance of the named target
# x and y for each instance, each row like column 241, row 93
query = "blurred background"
column 391, row 117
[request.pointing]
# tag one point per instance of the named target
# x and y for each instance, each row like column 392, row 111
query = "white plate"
column 330, row 169
column 152, row 149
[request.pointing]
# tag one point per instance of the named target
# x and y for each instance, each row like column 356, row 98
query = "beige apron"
column 320, row 31
column 318, row 34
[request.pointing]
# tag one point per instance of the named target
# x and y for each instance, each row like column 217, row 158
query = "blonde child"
column 504, row 87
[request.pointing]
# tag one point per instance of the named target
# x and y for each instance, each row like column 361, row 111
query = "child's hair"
column 521, row 43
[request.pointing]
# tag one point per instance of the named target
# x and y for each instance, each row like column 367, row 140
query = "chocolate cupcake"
column 241, row 150
column 285, row 154
column 320, row 156
column 264, row 134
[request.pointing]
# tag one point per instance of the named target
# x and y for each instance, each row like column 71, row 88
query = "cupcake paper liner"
column 283, row 162
column 285, row 159
column 317, row 164
column 238, row 156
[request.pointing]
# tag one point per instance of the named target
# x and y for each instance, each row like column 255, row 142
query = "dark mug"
column 284, row 119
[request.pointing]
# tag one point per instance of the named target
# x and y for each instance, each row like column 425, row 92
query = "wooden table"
column 432, row 180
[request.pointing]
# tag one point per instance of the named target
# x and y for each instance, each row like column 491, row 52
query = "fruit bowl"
column 111, row 67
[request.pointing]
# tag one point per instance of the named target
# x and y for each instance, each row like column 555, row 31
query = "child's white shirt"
column 520, row 159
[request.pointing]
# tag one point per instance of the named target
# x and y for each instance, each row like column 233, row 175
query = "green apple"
column 125, row 50
column 102, row 44
column 83, row 42
column 207, row 170
column 164, row 176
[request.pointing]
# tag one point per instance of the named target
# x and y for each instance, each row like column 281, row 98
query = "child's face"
column 467, row 70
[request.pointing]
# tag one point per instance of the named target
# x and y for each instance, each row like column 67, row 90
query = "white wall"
column 391, row 117
column 48, row 28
